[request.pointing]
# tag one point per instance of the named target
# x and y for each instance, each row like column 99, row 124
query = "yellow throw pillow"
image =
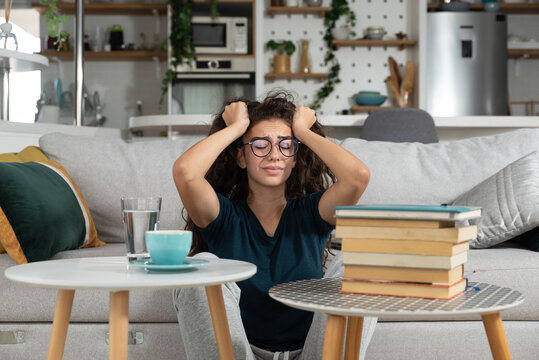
column 29, row 153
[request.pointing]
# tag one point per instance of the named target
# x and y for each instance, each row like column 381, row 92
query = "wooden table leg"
column 62, row 313
column 220, row 322
column 118, row 325
column 354, row 330
column 496, row 336
column 334, row 338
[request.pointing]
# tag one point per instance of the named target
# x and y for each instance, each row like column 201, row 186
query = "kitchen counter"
column 341, row 126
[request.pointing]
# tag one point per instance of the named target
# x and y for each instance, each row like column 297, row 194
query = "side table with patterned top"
column 323, row 295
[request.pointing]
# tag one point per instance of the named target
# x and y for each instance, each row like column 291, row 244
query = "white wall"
column 362, row 68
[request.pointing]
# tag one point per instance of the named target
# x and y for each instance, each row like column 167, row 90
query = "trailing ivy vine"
column 181, row 38
column 337, row 9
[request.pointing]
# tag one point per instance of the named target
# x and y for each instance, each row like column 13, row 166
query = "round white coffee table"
column 324, row 295
column 111, row 274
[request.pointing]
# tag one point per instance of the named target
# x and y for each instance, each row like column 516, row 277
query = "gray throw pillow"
column 415, row 173
column 108, row 168
column 510, row 202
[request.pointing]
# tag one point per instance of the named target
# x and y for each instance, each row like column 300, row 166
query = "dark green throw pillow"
column 42, row 212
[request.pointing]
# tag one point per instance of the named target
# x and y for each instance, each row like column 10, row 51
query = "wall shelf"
column 365, row 109
column 293, row 10
column 135, row 55
column 526, row 53
column 107, row 8
column 316, row 76
column 370, row 42
column 517, row 8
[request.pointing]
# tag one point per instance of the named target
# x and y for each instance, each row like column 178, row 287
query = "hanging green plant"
column 181, row 38
column 54, row 20
column 337, row 9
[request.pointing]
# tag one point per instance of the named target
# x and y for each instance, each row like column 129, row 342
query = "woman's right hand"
column 236, row 114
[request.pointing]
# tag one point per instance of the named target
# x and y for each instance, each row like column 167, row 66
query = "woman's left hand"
column 304, row 118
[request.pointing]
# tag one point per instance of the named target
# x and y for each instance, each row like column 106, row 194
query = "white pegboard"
column 362, row 68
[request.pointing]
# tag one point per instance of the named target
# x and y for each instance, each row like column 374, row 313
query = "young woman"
column 262, row 188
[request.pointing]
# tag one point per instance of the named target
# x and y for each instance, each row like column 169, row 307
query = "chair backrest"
column 400, row 125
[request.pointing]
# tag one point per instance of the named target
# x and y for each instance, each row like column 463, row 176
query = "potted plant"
column 57, row 38
column 281, row 61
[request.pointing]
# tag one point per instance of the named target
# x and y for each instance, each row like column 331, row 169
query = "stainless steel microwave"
column 221, row 35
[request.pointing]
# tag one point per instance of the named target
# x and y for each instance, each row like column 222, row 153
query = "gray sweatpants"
column 197, row 330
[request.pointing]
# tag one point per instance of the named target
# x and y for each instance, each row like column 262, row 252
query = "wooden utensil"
column 394, row 90
column 394, row 71
column 407, row 86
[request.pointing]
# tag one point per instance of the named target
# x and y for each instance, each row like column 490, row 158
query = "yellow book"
column 452, row 234
column 394, row 223
column 404, row 260
column 359, row 272
column 403, row 288
column 418, row 247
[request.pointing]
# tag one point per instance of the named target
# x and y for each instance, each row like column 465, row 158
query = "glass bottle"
column 304, row 66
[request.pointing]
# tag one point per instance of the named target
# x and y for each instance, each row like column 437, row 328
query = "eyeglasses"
column 261, row 146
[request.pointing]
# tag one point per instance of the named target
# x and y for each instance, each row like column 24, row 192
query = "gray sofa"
column 107, row 169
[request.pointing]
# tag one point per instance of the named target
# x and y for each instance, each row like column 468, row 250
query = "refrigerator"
column 466, row 63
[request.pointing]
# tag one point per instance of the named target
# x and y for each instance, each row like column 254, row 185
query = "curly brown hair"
column 309, row 175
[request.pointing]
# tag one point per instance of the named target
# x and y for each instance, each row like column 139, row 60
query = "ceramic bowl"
column 370, row 99
column 168, row 247
column 340, row 33
column 375, row 32
column 364, row 92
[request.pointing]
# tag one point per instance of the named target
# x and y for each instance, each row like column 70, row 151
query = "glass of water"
column 139, row 215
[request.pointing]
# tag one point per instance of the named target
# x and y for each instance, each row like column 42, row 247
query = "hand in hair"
column 304, row 119
column 236, row 114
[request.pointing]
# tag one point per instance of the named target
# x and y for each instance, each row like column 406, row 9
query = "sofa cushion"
column 414, row 173
column 29, row 153
column 510, row 202
column 42, row 212
column 107, row 169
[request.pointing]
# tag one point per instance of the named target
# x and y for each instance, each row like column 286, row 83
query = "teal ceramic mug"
column 168, row 247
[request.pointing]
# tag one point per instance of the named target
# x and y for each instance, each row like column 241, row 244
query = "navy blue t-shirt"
column 294, row 253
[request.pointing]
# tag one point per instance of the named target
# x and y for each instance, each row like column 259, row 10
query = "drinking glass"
column 139, row 215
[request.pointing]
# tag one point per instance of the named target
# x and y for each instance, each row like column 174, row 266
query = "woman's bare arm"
column 351, row 173
column 189, row 170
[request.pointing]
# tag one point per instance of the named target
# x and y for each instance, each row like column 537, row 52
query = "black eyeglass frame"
column 295, row 143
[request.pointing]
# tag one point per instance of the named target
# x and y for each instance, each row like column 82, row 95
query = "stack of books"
column 405, row 250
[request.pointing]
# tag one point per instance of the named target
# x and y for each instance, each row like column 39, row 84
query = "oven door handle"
column 213, row 76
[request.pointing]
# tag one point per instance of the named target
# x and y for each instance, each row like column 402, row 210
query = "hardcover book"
column 429, row 276
column 404, row 260
column 403, row 288
column 342, row 221
column 451, row 234
column 397, row 246
column 417, row 212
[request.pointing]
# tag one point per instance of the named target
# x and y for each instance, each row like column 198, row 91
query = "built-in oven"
column 209, row 82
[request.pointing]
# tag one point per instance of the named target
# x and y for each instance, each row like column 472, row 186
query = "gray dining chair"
column 400, row 125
